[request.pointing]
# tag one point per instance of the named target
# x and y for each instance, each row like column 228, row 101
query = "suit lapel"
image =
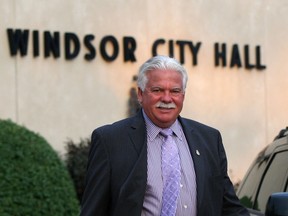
column 197, row 152
column 137, row 133
column 133, row 190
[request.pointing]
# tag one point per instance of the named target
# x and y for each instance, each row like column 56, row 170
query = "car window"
column 249, row 188
column 286, row 187
column 274, row 179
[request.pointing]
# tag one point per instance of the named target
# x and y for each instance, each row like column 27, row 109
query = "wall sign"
column 18, row 40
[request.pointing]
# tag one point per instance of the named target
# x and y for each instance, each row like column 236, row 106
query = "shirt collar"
column 153, row 130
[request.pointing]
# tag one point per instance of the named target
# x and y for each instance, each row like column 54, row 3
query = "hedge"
column 33, row 179
column 76, row 161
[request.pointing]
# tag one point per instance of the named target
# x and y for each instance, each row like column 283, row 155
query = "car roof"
column 280, row 142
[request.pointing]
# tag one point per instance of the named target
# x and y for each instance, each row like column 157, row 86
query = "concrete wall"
column 64, row 99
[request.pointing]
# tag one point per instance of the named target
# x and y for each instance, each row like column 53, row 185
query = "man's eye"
column 156, row 90
column 176, row 91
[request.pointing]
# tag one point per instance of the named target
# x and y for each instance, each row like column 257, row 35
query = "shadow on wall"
column 133, row 104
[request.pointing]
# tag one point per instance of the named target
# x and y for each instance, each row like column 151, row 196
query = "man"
column 158, row 163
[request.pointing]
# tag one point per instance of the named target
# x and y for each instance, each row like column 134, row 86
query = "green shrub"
column 76, row 161
column 33, row 180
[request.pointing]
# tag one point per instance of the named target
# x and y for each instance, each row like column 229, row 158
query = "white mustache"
column 166, row 105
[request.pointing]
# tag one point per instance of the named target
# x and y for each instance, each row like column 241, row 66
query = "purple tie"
column 171, row 174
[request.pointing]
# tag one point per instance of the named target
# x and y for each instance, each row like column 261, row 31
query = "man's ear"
column 140, row 95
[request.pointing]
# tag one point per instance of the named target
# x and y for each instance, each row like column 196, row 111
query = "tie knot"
column 166, row 132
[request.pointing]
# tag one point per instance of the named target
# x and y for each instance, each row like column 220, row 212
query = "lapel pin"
column 197, row 152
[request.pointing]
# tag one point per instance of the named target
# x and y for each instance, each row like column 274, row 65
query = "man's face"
column 162, row 99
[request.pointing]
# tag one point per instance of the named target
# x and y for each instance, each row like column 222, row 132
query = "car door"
column 273, row 180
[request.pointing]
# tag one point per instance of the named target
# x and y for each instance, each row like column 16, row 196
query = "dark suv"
column 264, row 188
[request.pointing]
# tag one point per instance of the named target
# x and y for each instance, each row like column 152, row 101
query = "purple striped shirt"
column 186, row 204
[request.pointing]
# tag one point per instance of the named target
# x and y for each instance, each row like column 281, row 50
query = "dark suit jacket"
column 117, row 170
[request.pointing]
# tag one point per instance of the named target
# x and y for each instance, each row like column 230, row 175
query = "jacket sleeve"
column 95, row 200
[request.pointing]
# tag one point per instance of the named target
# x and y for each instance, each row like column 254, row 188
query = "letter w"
column 18, row 40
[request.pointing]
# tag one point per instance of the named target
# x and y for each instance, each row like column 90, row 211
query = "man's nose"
column 166, row 97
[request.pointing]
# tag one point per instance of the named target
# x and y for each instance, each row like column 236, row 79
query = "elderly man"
column 158, row 163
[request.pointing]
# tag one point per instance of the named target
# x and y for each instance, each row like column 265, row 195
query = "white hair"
column 160, row 63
